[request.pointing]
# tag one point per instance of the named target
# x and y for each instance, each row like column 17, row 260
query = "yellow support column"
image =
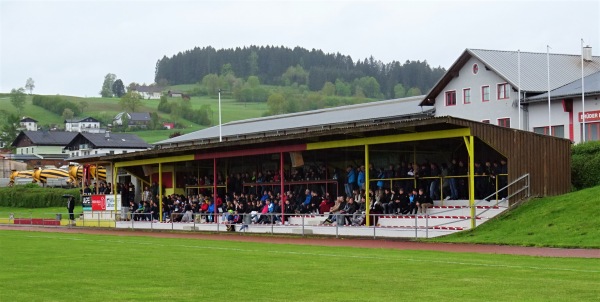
column 367, row 176
column 470, row 142
column 160, row 196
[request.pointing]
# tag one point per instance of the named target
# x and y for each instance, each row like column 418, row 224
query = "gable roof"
column 321, row 119
column 28, row 120
column 113, row 140
column 135, row 116
column 148, row 89
column 83, row 119
column 139, row 116
column 573, row 89
column 46, row 138
column 563, row 69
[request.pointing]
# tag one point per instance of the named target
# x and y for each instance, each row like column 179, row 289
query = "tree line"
column 278, row 65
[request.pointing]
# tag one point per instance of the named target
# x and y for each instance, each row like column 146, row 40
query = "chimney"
column 107, row 135
column 587, row 53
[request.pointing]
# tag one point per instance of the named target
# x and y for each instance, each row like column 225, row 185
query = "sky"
column 67, row 47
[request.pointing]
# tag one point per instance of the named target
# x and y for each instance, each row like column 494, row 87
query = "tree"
column 131, row 101
column 211, row 82
column 399, row 91
column 328, row 89
column 17, row 98
column 132, row 86
column 413, row 92
column 118, row 89
column 276, row 103
column 106, row 91
column 253, row 81
column 67, row 114
column 8, row 128
column 253, row 63
column 342, row 88
column 29, row 85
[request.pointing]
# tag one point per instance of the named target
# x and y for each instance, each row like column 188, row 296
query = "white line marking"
column 323, row 255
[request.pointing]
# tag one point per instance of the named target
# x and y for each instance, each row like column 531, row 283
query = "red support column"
column 216, row 218
column 281, row 181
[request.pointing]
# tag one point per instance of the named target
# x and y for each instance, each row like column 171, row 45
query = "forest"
column 312, row 69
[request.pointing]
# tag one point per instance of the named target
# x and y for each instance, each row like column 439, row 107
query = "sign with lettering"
column 98, row 202
column 590, row 116
column 86, row 202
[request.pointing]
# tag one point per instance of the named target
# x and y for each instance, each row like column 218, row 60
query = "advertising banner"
column 98, row 202
column 86, row 202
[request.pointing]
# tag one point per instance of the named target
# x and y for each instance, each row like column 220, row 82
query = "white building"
column 483, row 85
column 87, row 124
column 29, row 124
column 149, row 92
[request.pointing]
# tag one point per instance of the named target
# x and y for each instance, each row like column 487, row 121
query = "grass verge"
column 569, row 220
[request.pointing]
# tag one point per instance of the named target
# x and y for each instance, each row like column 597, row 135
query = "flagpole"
column 519, row 88
column 549, row 109
column 582, row 95
column 220, row 128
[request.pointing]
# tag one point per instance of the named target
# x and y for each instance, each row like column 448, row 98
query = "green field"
column 39, row 266
column 569, row 220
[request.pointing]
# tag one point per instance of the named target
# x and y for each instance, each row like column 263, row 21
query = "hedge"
column 585, row 165
column 33, row 196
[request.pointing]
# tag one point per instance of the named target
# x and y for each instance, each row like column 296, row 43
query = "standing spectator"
column 361, row 178
column 350, row 180
column 71, row 207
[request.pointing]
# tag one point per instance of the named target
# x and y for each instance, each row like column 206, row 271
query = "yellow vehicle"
column 76, row 173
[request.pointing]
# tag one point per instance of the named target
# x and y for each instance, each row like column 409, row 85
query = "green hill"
column 569, row 220
column 105, row 109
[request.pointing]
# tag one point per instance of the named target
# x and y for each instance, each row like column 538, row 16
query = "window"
column 485, row 121
column 591, row 131
column 485, row 93
column 467, row 96
column 504, row 122
column 557, row 131
column 451, row 98
column 503, row 91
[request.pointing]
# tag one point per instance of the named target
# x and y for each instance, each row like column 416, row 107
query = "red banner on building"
column 98, row 202
column 590, row 116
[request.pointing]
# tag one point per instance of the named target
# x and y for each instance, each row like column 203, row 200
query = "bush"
column 585, row 165
column 55, row 104
column 34, row 196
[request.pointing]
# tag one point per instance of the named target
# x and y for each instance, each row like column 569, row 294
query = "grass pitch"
column 37, row 266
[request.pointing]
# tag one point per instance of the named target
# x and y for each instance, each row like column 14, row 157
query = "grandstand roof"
column 315, row 119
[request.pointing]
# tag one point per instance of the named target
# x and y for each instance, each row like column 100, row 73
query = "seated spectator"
column 346, row 213
column 412, row 206
column 337, row 207
column 423, row 202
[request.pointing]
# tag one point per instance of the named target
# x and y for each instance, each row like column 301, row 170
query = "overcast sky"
column 68, row 47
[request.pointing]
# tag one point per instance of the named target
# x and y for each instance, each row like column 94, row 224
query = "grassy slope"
column 569, row 220
column 58, row 267
column 231, row 111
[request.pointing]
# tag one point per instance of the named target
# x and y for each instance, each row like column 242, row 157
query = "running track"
column 328, row 241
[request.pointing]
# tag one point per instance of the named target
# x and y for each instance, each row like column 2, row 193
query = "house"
column 149, row 92
column 84, row 144
column 29, row 124
column 135, row 119
column 42, row 147
column 175, row 94
column 168, row 125
column 87, row 124
column 484, row 86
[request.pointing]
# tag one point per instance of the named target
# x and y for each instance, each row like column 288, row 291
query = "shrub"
column 585, row 165
column 55, row 104
column 33, row 196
